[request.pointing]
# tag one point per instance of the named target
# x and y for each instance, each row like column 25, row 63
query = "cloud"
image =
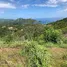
column 52, row 3
column 37, row 3
column 62, row 0
column 56, row 1
column 49, row 3
column 25, row 6
column 64, row 10
column 45, row 5
column 7, row 5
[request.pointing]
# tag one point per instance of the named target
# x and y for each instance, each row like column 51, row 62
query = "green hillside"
column 17, row 21
column 28, row 43
column 60, row 24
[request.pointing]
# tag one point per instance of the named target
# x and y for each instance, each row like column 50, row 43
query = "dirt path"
column 56, row 50
column 9, row 49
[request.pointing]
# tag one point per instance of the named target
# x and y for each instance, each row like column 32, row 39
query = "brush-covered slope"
column 18, row 21
column 60, row 24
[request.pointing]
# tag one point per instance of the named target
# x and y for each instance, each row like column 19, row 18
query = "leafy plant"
column 52, row 35
column 37, row 55
column 8, row 39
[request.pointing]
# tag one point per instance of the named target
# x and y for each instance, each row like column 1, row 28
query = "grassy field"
column 11, row 57
column 59, row 57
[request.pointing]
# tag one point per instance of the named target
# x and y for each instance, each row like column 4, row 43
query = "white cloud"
column 62, row 0
column 45, row 5
column 60, row 11
column 56, row 1
column 7, row 5
column 25, row 6
column 51, row 2
column 64, row 10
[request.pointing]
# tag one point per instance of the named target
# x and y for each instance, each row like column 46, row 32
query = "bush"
column 37, row 55
column 52, row 35
column 65, row 40
column 8, row 38
column 64, row 64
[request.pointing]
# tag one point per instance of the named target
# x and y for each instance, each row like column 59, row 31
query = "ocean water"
column 47, row 20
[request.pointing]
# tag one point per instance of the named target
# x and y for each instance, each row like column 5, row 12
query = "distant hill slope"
column 60, row 24
column 17, row 21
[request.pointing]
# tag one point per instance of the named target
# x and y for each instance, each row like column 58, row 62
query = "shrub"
column 52, row 35
column 8, row 38
column 65, row 40
column 37, row 55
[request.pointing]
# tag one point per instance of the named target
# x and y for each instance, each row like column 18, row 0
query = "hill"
column 60, row 24
column 17, row 21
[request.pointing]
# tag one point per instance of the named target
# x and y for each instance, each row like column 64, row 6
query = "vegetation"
column 37, row 55
column 52, row 35
column 34, row 42
column 60, row 24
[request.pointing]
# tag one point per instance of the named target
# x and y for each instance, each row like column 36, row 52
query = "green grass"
column 22, row 43
column 11, row 53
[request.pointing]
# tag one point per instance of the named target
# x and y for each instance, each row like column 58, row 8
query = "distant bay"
column 47, row 20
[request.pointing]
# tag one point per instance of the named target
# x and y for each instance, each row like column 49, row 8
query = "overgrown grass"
column 37, row 55
column 10, row 57
column 22, row 43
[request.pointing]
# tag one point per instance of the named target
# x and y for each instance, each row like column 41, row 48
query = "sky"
column 11, row 9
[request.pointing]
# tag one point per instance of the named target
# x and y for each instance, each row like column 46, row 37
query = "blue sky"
column 33, row 8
